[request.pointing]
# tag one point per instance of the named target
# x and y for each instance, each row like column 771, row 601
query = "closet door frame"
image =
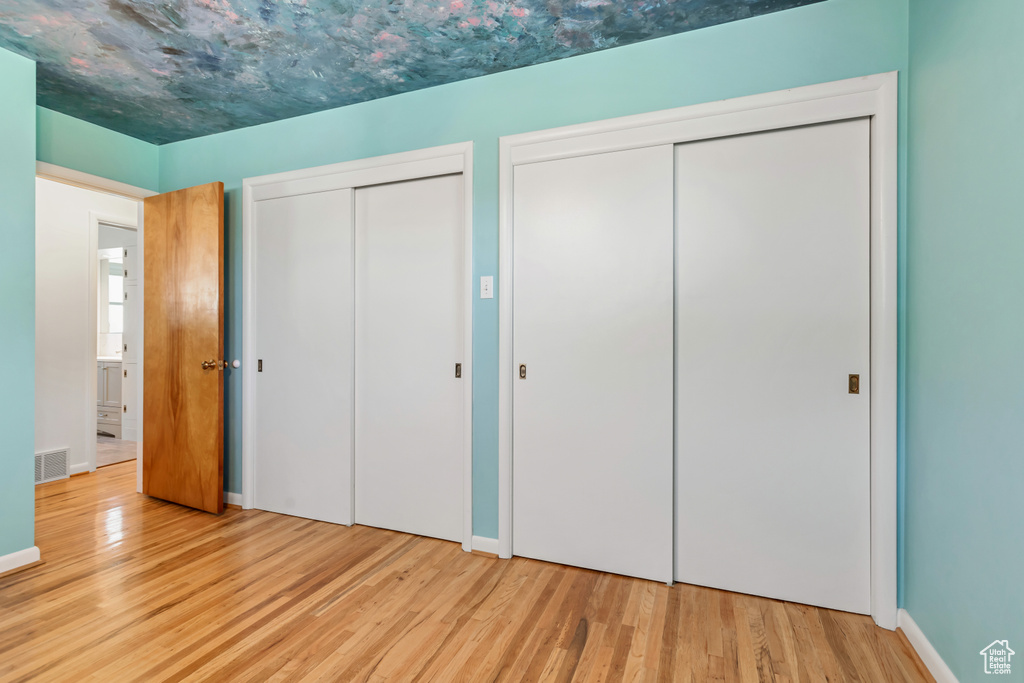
column 872, row 97
column 417, row 164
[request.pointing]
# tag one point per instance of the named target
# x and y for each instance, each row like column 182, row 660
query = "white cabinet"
column 108, row 384
column 130, row 405
column 129, row 336
column 130, row 260
column 109, row 407
column 117, row 383
column 129, row 346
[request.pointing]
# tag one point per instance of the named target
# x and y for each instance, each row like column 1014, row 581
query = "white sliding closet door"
column 773, row 453
column 410, row 292
column 592, row 419
column 304, row 336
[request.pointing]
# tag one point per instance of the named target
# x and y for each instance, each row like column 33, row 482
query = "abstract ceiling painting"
column 169, row 70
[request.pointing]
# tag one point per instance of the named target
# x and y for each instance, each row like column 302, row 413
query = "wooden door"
column 592, row 397
column 183, row 404
column 773, row 310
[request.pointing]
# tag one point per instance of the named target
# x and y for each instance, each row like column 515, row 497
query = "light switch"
column 487, row 287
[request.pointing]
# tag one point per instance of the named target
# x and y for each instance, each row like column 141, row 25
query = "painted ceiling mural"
column 174, row 69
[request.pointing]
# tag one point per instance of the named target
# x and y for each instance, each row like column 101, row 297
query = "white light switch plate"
column 487, row 287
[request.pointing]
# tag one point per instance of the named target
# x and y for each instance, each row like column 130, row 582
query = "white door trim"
column 423, row 163
column 140, row 337
column 869, row 96
column 87, row 181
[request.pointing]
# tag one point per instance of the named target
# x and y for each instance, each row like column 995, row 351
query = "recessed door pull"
column 458, row 370
column 854, row 384
column 522, row 371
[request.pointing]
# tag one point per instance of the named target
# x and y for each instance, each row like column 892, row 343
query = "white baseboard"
column 19, row 559
column 928, row 654
column 485, row 545
column 79, row 468
column 233, row 498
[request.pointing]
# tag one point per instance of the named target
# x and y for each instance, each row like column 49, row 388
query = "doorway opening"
column 116, row 395
column 88, row 268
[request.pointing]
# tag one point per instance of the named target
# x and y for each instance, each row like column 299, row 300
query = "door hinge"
column 458, row 370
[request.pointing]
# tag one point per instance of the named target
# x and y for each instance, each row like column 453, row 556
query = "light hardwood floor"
column 135, row 589
column 112, row 451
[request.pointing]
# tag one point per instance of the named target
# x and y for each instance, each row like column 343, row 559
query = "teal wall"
column 86, row 147
column 17, row 301
column 965, row 369
column 961, row 325
column 822, row 42
column 31, row 133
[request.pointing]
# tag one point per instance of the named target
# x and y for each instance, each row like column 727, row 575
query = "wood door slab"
column 183, row 406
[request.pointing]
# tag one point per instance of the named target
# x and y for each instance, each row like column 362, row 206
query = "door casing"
column 874, row 97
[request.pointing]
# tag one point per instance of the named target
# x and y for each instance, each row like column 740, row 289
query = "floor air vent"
column 52, row 466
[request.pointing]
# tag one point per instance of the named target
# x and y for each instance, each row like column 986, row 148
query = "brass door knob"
column 214, row 364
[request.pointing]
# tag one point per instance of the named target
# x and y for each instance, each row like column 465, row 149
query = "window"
column 115, row 297
column 111, row 281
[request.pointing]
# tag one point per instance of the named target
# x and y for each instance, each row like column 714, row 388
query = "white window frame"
column 423, row 163
column 874, row 97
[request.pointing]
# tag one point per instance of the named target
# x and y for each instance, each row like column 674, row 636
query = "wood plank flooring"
column 112, row 451
column 135, row 589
